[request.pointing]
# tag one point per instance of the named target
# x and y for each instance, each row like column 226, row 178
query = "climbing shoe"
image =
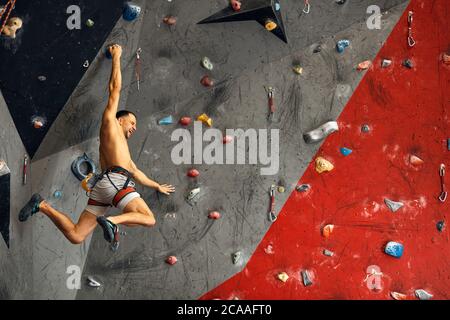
column 32, row 207
column 110, row 230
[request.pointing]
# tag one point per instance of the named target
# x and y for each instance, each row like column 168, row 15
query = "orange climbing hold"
column 327, row 230
column 364, row 65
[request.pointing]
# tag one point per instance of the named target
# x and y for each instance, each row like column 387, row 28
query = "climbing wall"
column 403, row 117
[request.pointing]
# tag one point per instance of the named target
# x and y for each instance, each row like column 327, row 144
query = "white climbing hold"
column 393, row 205
column 423, row 295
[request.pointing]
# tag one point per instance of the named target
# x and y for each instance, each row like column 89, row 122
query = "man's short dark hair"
column 123, row 113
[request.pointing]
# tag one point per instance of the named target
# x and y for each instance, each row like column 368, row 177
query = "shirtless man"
column 114, row 186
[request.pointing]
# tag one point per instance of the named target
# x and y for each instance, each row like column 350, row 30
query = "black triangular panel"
column 5, row 195
column 46, row 47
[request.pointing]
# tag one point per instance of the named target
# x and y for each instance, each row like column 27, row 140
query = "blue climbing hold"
column 341, row 45
column 277, row 6
column 440, row 225
column 131, row 11
column 107, row 53
column 394, row 249
column 57, row 194
column 346, row 151
column 448, row 144
column 166, row 120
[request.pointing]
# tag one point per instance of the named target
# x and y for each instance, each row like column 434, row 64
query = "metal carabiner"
column 443, row 195
column 411, row 41
column 272, row 216
column 306, row 7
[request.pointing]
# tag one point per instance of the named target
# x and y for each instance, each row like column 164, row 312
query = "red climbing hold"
column 171, row 260
column 214, row 215
column 236, row 5
column 193, row 173
column 185, row 121
column 206, row 81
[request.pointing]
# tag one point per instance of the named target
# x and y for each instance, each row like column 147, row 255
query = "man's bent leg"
column 75, row 233
column 135, row 213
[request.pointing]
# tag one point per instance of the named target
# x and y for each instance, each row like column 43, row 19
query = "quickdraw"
column 138, row 67
column 10, row 4
column 411, row 41
column 443, row 195
column 270, row 95
column 307, row 7
column 272, row 216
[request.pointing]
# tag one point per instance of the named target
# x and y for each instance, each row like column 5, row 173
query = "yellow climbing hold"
column 283, row 276
column 323, row 165
column 205, row 119
column 270, row 25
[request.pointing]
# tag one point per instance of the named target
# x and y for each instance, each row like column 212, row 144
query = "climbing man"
column 114, row 186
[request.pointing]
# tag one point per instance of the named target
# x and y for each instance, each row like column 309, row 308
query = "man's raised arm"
column 115, row 83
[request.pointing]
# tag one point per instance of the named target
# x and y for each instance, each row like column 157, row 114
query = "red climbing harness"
column 11, row 4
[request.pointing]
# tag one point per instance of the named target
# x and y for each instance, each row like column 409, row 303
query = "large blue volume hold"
column 131, row 11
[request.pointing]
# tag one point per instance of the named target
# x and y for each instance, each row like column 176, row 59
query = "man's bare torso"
column 113, row 149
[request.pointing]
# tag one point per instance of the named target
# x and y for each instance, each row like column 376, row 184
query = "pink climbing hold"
column 236, row 5
column 364, row 65
column 193, row 173
column 171, row 260
column 214, row 215
column 227, row 139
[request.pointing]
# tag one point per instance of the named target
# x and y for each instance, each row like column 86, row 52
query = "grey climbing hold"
column 317, row 49
column 321, row 132
column 206, row 63
column 393, row 205
column 440, row 225
column 423, row 295
column 193, row 194
column 93, row 283
column 236, row 256
column 386, row 63
column 303, row 187
column 340, row 1
column 328, row 253
column 365, row 128
column 42, row 78
column 306, row 278
column 408, row 64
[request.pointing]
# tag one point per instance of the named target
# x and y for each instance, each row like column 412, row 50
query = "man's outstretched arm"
column 115, row 82
column 142, row 179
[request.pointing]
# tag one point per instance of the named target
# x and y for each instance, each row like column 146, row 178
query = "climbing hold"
column 394, row 249
column 277, row 6
column 306, row 278
column 171, row 260
column 298, row 69
column 206, row 81
column 11, row 27
column 108, row 53
column 270, row 25
column 170, row 20
column 214, row 215
column 423, row 295
column 86, row 64
column 345, row 151
column 393, row 205
column 206, row 63
column 227, row 139
column 185, row 121
column 131, row 11
column 193, row 193
column 448, row 144
column 328, row 253
column 76, row 166
column 281, row 189
column 340, row 1
column 440, row 225
column 408, row 64
column 283, row 276
column 386, row 63
column 205, row 119
column 42, row 78
column 414, row 160
column 236, row 5
column 303, row 187
column 193, row 173
column 398, row 296
column 166, row 120
column 317, row 49
column 92, row 282
column 323, row 165
column 365, row 128
column 89, row 23
column 341, row 45
column 446, row 59
column 38, row 122
column 236, row 256
column 364, row 65
column 327, row 230
column 321, row 132
column 57, row 194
